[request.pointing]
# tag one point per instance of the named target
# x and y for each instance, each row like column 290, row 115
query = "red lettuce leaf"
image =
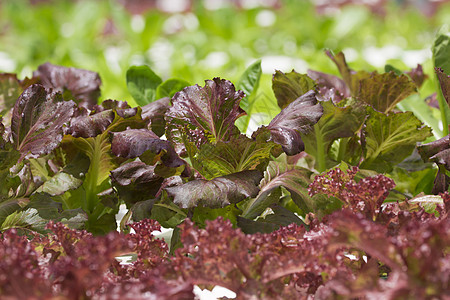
column 217, row 192
column 38, row 121
column 82, row 86
column 298, row 117
column 203, row 114
column 444, row 81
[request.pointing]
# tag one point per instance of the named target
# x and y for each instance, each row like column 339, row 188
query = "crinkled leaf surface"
column 288, row 87
column 294, row 179
column 336, row 122
column 136, row 181
column 204, row 114
column 391, row 138
column 82, row 86
column 142, row 83
column 38, row 121
column 218, row 192
column 384, row 91
column 298, row 117
column 444, row 81
column 239, row 154
column 145, row 144
column 330, row 87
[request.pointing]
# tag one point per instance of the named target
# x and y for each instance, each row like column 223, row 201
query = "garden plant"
column 342, row 194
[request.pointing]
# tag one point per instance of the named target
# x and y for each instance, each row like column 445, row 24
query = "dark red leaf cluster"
column 365, row 196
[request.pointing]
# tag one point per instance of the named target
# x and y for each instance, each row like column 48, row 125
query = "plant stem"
column 321, row 166
column 442, row 107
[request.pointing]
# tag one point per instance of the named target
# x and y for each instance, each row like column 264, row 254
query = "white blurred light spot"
column 137, row 23
column 216, row 59
column 283, row 63
column 350, row 54
column 379, row 56
column 67, row 30
column 214, row 4
column 160, row 54
column 215, row 293
column 7, row 64
column 178, row 22
column 173, row 6
column 266, row 18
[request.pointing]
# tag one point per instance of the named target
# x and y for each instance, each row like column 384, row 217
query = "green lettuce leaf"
column 288, row 87
column 391, row 138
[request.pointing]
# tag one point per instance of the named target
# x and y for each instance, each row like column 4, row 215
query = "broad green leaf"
column 202, row 115
column 422, row 111
column 167, row 213
column 239, row 154
column 251, row 227
column 336, row 122
column 249, row 84
column 7, row 208
column 390, row 139
column 384, row 91
column 59, row 184
column 441, row 49
column 288, row 87
column 10, row 90
column 282, row 216
column 169, row 87
column 38, row 120
column 201, row 214
column 142, row 83
column 294, row 179
column 351, row 78
column 218, row 192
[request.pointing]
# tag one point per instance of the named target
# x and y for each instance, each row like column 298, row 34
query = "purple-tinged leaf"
column 444, row 81
column 121, row 107
column 288, row 87
column 298, row 117
column 136, row 181
column 82, row 86
column 145, row 144
column 417, row 75
column 330, row 87
column 204, row 114
column 85, row 125
column 38, row 121
column 218, row 192
column 154, row 112
column 88, row 124
column 437, row 151
column 384, row 91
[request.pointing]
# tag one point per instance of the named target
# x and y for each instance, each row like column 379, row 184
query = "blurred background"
column 196, row 40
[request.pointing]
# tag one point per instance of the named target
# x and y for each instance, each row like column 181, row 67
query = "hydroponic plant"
column 329, row 200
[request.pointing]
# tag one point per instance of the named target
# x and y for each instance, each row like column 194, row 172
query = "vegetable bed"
column 342, row 194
